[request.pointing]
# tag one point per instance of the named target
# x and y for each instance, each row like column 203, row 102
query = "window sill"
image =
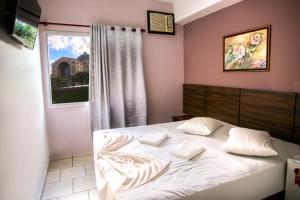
column 69, row 105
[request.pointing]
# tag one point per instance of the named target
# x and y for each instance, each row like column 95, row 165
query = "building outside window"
column 68, row 58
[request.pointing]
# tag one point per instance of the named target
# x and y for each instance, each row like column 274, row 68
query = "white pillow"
column 200, row 125
column 249, row 142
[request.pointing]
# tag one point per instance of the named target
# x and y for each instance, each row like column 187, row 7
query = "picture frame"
column 160, row 22
column 247, row 50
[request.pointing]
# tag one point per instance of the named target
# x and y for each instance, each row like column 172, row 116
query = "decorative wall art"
column 248, row 50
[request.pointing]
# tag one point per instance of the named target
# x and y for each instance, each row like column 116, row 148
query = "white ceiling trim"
column 189, row 10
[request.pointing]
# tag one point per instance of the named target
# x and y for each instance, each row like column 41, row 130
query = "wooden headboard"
column 275, row 112
column 194, row 99
column 297, row 119
column 223, row 103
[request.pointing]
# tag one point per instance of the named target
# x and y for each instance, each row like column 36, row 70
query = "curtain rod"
column 80, row 25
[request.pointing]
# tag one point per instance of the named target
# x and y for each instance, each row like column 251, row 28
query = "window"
column 68, row 58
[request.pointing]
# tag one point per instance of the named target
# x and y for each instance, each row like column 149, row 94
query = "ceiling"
column 186, row 11
column 189, row 10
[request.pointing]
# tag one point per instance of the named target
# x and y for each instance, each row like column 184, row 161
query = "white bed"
column 214, row 174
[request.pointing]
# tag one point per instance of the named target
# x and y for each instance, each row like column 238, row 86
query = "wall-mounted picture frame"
column 248, row 50
column 161, row 22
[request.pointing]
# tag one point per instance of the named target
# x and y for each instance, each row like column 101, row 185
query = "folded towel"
column 187, row 150
column 154, row 139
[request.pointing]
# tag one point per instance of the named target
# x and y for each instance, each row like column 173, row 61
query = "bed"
column 216, row 174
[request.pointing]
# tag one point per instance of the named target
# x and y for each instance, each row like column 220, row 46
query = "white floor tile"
column 94, row 195
column 89, row 169
column 84, row 183
column 73, row 172
column 81, row 160
column 60, row 164
column 53, row 176
column 76, row 196
column 58, row 189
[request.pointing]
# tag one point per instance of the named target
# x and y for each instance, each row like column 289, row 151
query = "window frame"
column 48, row 73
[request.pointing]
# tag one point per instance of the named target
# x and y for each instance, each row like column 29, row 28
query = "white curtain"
column 117, row 86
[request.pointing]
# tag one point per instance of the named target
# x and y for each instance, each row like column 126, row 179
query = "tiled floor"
column 71, row 178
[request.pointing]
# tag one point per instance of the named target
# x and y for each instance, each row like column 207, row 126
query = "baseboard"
column 65, row 156
column 40, row 195
column 60, row 157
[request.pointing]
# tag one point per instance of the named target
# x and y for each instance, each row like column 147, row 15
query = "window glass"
column 68, row 56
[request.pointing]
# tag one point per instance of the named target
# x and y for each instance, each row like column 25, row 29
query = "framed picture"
column 160, row 22
column 248, row 50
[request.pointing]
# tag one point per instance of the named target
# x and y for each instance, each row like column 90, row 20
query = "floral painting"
column 247, row 50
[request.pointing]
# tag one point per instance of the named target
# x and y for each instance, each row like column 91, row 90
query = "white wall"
column 23, row 139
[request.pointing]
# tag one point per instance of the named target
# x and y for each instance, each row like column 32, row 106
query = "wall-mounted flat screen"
column 25, row 33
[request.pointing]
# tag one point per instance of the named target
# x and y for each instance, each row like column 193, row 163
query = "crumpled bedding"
column 119, row 171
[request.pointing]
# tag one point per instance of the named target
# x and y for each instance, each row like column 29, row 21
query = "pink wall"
column 68, row 128
column 203, row 48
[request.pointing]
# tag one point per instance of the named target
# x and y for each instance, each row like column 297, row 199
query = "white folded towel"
column 154, row 139
column 187, row 150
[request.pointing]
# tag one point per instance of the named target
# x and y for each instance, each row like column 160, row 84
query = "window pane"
column 69, row 68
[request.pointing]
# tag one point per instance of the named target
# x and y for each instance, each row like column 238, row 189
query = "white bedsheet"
column 210, row 169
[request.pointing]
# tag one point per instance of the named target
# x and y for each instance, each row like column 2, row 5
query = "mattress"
column 213, row 174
